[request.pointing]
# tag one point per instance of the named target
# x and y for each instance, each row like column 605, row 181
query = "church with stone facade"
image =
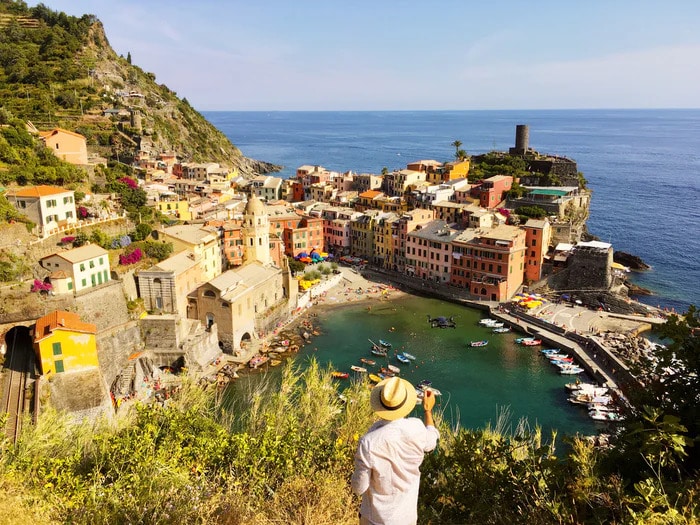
column 246, row 302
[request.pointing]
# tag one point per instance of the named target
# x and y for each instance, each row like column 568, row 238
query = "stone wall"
column 590, row 268
column 114, row 347
column 104, row 306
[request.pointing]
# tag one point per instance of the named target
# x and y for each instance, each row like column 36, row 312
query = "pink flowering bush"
column 131, row 258
column 40, row 286
column 82, row 212
column 129, row 182
column 68, row 240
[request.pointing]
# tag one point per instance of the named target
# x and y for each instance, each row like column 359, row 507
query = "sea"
column 643, row 167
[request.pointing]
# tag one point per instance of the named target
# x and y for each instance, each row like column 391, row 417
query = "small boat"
column 410, row 356
column 374, row 378
column 385, row 372
column 340, row 375
column 501, row 330
column 571, row 370
column 394, row 369
column 521, row 340
column 257, row 361
column 483, row 342
column 420, row 392
column 385, row 344
column 532, row 342
column 377, row 351
column 425, row 383
column 489, row 322
column 275, row 362
column 403, row 358
column 358, row 369
column 370, row 362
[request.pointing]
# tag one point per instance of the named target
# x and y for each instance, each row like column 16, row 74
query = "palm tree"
column 457, row 144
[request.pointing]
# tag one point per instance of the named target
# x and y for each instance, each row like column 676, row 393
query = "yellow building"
column 455, row 170
column 63, row 343
column 179, row 209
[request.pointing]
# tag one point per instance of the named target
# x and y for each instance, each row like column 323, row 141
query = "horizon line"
column 440, row 110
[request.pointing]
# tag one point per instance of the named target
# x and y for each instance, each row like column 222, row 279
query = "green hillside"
column 60, row 71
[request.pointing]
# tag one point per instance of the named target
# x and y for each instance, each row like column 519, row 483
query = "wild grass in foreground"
column 283, row 453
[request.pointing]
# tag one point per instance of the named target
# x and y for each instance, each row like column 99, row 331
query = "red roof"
column 370, row 194
column 63, row 320
column 40, row 191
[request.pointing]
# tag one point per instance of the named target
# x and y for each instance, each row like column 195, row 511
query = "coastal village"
column 235, row 290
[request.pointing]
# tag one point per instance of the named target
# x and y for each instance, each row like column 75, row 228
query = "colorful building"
column 50, row 207
column 490, row 262
column 538, row 235
column 78, row 269
column 66, row 145
column 492, row 190
column 429, row 251
column 63, row 343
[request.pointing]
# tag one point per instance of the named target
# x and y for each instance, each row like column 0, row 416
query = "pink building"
column 492, row 190
column 429, row 251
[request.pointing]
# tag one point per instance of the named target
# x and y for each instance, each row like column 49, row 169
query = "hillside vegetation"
column 60, row 71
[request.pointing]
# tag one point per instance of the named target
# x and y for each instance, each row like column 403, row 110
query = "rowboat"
column 521, row 340
column 532, row 342
column 358, row 369
column 394, row 369
column 385, row 344
column 370, row 362
column 374, row 378
column 479, row 343
column 377, row 351
column 385, row 372
column 403, row 358
column 501, row 330
column 340, row 375
column 410, row 356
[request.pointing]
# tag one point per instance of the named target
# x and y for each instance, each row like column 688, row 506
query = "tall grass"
column 283, row 453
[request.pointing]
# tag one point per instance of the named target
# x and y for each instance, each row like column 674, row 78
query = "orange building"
column 304, row 235
column 66, row 145
column 489, row 263
column 538, row 236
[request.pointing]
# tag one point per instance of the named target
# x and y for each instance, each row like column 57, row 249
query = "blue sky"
column 410, row 54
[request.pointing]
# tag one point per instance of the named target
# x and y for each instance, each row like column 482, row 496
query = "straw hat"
column 393, row 398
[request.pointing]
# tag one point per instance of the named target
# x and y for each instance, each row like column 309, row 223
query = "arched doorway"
column 209, row 320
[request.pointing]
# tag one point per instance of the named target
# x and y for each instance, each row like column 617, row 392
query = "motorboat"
column 571, row 371
column 395, row 369
column 370, row 362
column 340, row 375
column 410, row 356
column 501, row 330
column 403, row 358
column 359, row 369
column 385, row 344
column 385, row 372
column 377, row 351
column 521, row 340
column 483, row 342
column 374, row 378
column 425, row 383
column 532, row 342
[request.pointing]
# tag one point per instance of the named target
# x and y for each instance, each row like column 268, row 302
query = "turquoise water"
column 477, row 383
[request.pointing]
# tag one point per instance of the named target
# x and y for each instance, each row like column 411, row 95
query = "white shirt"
column 387, row 472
